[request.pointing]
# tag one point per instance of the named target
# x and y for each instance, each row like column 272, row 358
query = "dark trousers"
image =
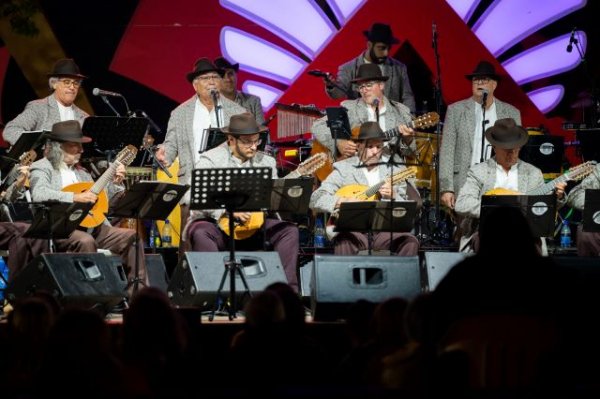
column 205, row 236
column 350, row 243
column 588, row 243
column 20, row 250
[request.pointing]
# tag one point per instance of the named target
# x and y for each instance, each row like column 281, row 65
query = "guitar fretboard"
column 106, row 178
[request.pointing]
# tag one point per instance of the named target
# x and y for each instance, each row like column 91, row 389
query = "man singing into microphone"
column 371, row 106
column 189, row 122
column 462, row 135
column 64, row 81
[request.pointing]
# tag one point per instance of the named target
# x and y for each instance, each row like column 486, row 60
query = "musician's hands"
column 120, row 174
column 559, row 189
column 23, row 175
column 385, row 191
column 243, row 217
column 448, row 199
column 161, row 155
column 407, row 133
column 86, row 196
column 347, row 148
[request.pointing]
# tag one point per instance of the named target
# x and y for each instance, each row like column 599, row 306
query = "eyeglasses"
column 366, row 85
column 69, row 82
column 206, row 78
column 480, row 80
column 249, row 144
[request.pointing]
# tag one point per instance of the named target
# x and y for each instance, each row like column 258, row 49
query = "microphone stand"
column 105, row 99
column 483, row 123
column 215, row 97
column 594, row 95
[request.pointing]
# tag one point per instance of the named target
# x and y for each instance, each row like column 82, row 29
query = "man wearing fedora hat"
column 60, row 168
column 241, row 151
column 188, row 124
column 461, row 140
column 364, row 169
column 64, row 80
column 229, row 89
column 372, row 106
column 379, row 41
column 503, row 171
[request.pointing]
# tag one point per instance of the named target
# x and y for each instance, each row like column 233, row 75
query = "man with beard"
column 379, row 42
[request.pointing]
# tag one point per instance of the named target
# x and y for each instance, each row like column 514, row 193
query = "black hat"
column 369, row 131
column 380, row 33
column 202, row 66
column 243, row 124
column 68, row 131
column 222, row 63
column 367, row 72
column 66, row 67
column 484, row 69
column 506, row 134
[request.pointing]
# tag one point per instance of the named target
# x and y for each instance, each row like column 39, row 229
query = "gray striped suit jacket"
column 252, row 104
column 576, row 197
column 38, row 115
column 457, row 141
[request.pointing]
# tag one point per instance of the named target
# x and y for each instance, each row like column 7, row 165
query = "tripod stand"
column 147, row 200
column 232, row 189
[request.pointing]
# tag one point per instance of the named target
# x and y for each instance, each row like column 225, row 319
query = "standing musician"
column 365, row 169
column 371, row 106
column 503, row 171
column 241, row 152
column 58, row 169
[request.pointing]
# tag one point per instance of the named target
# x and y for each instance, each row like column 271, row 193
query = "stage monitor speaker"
column 438, row 264
column 83, row 279
column 339, row 281
column 157, row 272
column 197, row 277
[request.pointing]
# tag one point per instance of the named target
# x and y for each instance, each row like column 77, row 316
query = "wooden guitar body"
column 357, row 191
column 501, row 191
column 97, row 214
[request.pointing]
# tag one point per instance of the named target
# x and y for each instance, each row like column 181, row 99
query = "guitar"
column 245, row 230
column 97, row 214
column 365, row 193
column 574, row 174
column 14, row 177
column 424, row 121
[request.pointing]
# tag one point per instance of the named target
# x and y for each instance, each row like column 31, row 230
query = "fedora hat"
column 66, row 67
column 202, row 66
column 369, row 131
column 506, row 134
column 380, row 33
column 68, row 131
column 222, row 63
column 367, row 72
column 243, row 124
column 484, row 69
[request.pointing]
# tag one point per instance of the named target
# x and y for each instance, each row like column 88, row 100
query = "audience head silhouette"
column 505, row 232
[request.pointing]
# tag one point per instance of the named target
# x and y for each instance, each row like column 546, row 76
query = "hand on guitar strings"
column 86, row 196
column 120, row 174
column 241, row 217
column 347, row 148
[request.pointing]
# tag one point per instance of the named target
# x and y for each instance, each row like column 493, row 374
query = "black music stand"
column 27, row 141
column 55, row 219
column 232, row 189
column 147, row 200
column 339, row 125
column 591, row 211
column 291, row 195
column 374, row 216
column 539, row 210
column 111, row 133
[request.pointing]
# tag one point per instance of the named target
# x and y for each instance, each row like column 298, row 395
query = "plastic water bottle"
column 166, row 234
column 319, row 234
column 565, row 234
column 4, row 272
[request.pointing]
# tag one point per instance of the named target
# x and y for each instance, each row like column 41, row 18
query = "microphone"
column 152, row 123
column 572, row 40
column 321, row 74
column 376, row 105
column 214, row 93
column 433, row 34
column 485, row 95
column 104, row 93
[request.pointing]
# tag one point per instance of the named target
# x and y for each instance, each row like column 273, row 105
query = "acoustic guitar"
column 366, row 193
column 97, row 214
column 245, row 230
column 14, row 176
column 424, row 121
column 574, row 174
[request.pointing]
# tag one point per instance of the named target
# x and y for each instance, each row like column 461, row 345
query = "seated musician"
column 504, row 171
column 588, row 242
column 371, row 106
column 241, row 152
column 58, row 169
column 365, row 169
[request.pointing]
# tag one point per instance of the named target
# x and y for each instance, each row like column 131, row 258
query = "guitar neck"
column 106, row 178
column 547, row 188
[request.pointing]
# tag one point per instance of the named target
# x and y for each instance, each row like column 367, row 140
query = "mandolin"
column 14, row 176
column 245, row 230
column 97, row 214
column 424, row 121
column 366, row 193
column 574, row 174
